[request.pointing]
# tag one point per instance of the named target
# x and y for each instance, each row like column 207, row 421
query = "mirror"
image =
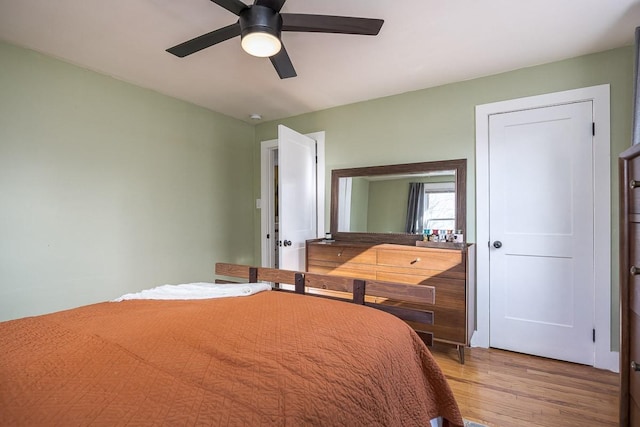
column 369, row 202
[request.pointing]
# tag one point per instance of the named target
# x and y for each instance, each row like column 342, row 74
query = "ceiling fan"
column 260, row 25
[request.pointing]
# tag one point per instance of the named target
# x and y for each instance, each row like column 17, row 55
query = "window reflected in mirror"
column 439, row 206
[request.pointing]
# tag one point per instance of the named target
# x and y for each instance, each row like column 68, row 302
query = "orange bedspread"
column 269, row 359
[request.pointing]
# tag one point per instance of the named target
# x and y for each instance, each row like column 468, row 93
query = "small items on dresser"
column 438, row 235
column 328, row 238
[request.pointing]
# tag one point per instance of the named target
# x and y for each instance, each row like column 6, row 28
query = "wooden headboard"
column 372, row 293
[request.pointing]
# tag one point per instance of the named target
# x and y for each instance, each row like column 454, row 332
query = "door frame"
column 604, row 358
column 266, row 190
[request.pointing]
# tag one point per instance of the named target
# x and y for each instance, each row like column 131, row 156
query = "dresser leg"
column 461, row 354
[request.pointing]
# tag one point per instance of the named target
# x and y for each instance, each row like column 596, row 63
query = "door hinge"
column 593, row 128
column 594, row 335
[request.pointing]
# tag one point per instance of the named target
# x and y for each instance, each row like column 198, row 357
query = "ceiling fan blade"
column 330, row 24
column 282, row 64
column 233, row 6
column 205, row 40
column 272, row 4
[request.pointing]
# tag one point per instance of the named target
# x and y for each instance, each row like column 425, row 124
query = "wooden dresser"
column 449, row 271
column 629, row 163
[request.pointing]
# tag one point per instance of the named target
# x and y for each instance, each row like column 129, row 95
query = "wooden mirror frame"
column 460, row 167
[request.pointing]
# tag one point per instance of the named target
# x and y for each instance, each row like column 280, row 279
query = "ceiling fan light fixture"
column 261, row 44
column 260, row 25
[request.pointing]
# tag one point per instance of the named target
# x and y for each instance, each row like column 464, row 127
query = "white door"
column 297, row 199
column 541, row 232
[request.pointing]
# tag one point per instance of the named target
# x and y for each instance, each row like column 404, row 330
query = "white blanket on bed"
column 198, row 291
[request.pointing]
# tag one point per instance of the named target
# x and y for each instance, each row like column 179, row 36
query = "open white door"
column 297, row 199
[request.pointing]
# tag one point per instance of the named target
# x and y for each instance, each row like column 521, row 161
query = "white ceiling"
column 423, row 43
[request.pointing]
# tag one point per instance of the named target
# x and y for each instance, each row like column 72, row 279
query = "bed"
column 269, row 358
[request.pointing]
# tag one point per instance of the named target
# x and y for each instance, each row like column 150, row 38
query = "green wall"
column 359, row 204
column 388, row 206
column 108, row 188
column 439, row 123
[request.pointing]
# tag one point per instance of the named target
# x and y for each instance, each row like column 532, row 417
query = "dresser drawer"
column 450, row 293
column 441, row 260
column 421, row 275
column 634, row 355
column 634, row 193
column 634, row 246
column 341, row 253
column 634, row 310
column 359, row 271
column 634, row 413
column 634, row 295
column 448, row 325
column 448, row 322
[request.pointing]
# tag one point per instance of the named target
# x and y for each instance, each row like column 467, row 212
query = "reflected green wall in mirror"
column 360, row 190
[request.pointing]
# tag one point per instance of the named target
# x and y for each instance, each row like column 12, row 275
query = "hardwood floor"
column 500, row 388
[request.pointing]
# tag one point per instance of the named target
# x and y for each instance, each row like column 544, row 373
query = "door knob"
column 635, row 366
column 497, row 244
column 287, row 242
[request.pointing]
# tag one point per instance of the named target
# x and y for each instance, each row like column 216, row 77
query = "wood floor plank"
column 505, row 389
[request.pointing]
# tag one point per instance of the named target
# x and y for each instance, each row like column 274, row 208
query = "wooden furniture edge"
column 465, row 271
column 357, row 287
column 624, row 177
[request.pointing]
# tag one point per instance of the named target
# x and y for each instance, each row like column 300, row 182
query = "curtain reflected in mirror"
column 415, row 208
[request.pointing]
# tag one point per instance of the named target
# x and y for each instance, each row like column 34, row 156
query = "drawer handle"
column 635, row 366
column 340, row 253
column 415, row 260
column 634, row 270
column 634, row 184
